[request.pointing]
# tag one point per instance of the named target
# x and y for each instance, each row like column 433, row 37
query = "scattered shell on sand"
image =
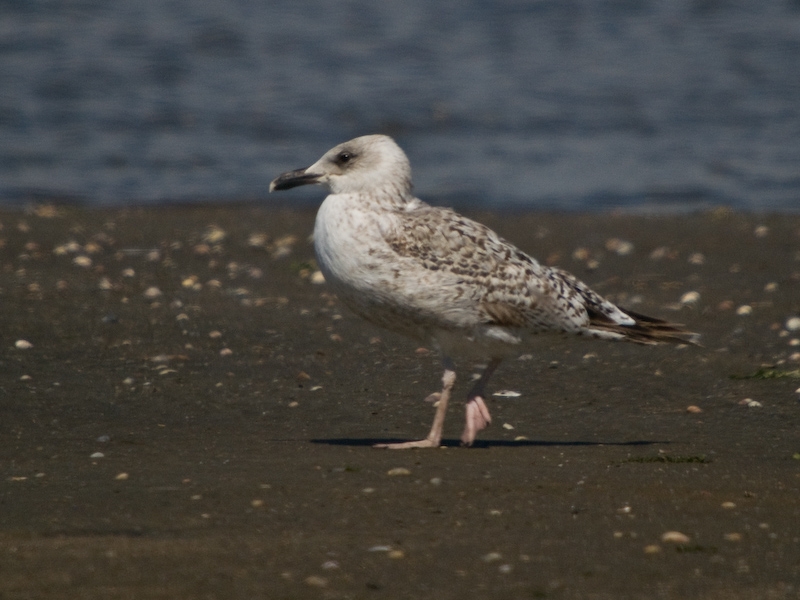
column 317, row 278
column 744, row 310
column 398, row 471
column 662, row 252
column 728, row 505
column 225, row 352
column 652, row 549
column 761, row 231
column 152, row 293
column 82, row 261
column 694, row 409
column 772, row 286
column 492, row 557
column 214, row 234
column 23, row 345
column 618, row 246
column 733, row 537
column 697, row 258
column 675, row 537
column 793, row 324
column 316, row 581
column 581, row 254
column 508, row 426
column 257, row 240
column 70, row 247
column 121, row 476
column 283, row 246
column 725, row 305
column 128, row 273
column 507, row 394
column 750, row 403
column 690, row 298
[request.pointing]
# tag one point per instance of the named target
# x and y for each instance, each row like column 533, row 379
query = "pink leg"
column 478, row 416
column 435, row 436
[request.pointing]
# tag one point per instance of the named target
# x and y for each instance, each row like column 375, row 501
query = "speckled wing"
column 510, row 288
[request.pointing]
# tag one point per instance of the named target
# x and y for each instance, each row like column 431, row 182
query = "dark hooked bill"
column 287, row 181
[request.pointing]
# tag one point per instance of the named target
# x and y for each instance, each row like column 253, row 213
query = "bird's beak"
column 287, row 181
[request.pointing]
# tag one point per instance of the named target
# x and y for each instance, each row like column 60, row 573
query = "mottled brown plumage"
column 434, row 275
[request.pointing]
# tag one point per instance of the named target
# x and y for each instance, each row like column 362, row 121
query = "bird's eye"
column 344, row 157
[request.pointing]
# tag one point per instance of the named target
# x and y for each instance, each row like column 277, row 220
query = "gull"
column 438, row 277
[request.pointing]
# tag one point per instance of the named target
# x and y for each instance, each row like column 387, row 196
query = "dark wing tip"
column 647, row 330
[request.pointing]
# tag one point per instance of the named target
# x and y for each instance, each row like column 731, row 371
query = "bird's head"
column 369, row 164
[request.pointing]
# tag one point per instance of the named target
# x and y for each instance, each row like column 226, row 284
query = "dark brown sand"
column 213, row 441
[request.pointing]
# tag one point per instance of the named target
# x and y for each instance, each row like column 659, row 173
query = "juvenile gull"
column 438, row 277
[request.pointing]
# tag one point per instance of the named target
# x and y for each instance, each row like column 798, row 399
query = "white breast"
column 348, row 243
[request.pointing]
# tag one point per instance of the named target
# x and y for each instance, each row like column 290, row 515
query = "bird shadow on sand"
column 355, row 442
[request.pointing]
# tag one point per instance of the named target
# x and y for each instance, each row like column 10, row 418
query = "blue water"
column 563, row 104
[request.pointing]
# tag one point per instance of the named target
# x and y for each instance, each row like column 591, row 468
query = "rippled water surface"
column 550, row 104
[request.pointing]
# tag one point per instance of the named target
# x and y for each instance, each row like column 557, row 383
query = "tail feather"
column 645, row 330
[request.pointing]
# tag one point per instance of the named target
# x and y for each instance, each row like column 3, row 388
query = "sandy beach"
column 187, row 412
